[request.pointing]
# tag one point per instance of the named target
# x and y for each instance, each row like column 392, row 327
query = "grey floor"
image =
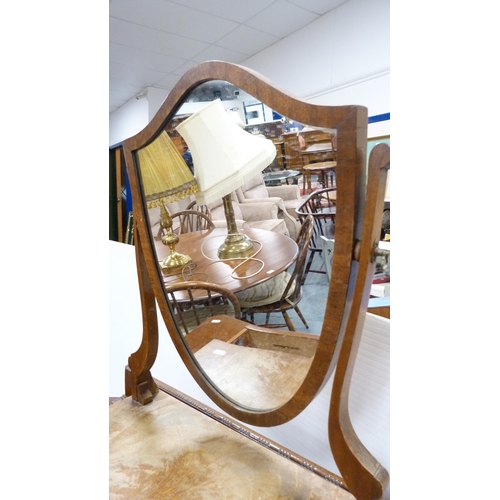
column 312, row 304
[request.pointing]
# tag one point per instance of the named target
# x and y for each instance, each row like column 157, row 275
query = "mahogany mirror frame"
column 357, row 232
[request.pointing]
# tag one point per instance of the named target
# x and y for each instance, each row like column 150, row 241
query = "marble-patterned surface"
column 168, row 450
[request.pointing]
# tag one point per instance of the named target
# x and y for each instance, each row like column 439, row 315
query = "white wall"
column 348, row 45
column 128, row 120
column 342, row 58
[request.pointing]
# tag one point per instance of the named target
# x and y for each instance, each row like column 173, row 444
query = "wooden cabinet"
column 296, row 159
column 177, row 139
column 293, row 156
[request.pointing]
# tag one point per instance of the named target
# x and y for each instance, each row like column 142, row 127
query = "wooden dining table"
column 276, row 252
column 322, row 168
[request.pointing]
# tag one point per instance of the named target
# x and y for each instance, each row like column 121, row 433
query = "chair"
column 327, row 252
column 321, row 205
column 287, row 198
column 155, row 215
column 192, row 220
column 258, row 215
column 283, row 292
column 193, row 302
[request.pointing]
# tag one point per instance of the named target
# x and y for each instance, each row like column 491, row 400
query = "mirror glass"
column 254, row 367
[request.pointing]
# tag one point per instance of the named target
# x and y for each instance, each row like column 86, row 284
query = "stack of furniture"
column 295, row 144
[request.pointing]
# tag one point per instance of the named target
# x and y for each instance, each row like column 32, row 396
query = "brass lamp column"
column 166, row 178
column 235, row 244
column 225, row 156
column 175, row 261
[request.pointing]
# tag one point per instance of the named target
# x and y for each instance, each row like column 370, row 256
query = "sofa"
column 259, row 215
column 286, row 198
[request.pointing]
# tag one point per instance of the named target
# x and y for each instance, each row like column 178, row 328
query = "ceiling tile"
column 133, row 35
column 124, row 86
column 318, row 6
column 143, row 58
column 247, row 40
column 154, row 42
column 173, row 18
column 230, row 9
column 145, row 77
column 169, row 81
column 182, row 69
column 220, row 54
column 281, row 19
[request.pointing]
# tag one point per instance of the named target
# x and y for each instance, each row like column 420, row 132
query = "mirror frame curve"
column 351, row 125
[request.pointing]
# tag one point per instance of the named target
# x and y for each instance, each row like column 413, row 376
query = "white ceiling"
column 152, row 43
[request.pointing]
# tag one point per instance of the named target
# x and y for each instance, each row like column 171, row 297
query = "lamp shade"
column 164, row 173
column 225, row 156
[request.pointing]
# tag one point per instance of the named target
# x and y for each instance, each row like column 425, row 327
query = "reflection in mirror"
column 166, row 179
column 291, row 181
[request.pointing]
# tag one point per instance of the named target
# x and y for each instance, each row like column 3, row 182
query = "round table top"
column 278, row 252
column 280, row 175
column 321, row 165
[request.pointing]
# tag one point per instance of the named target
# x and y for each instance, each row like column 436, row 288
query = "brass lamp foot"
column 236, row 246
column 174, row 263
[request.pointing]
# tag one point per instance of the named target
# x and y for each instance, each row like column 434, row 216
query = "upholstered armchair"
column 259, row 215
column 286, row 198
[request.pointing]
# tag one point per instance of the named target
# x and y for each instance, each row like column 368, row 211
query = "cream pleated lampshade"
column 225, row 156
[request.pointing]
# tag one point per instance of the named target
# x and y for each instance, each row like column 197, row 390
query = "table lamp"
column 166, row 178
column 225, row 156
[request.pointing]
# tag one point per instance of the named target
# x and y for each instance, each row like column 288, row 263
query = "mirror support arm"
column 138, row 380
column 365, row 477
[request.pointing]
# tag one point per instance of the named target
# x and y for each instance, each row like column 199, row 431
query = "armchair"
column 257, row 215
column 286, row 198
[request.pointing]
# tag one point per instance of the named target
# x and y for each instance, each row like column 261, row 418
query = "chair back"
column 200, row 208
column 255, row 188
column 193, row 302
column 321, row 205
column 297, row 276
column 192, row 220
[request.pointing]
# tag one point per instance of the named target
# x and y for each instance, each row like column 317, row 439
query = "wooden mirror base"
column 172, row 450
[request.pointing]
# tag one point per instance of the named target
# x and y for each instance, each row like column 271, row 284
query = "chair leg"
column 308, row 265
column 300, row 315
column 288, row 321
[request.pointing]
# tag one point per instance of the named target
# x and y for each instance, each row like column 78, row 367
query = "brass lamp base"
column 236, row 246
column 174, row 263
